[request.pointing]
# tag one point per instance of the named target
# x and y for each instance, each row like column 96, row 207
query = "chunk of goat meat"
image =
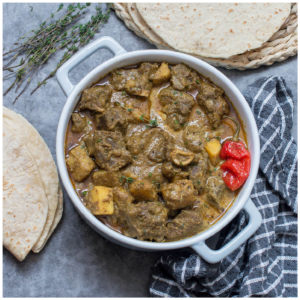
column 152, row 142
column 121, row 200
column 95, row 98
column 212, row 100
column 179, row 194
column 109, row 149
column 194, row 138
column 187, row 223
column 183, row 78
column 147, row 221
column 215, row 188
column 181, row 158
column 198, row 175
column 114, row 118
column 106, row 178
column 79, row 123
column 176, row 105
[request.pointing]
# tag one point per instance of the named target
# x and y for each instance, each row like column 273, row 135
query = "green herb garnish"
column 198, row 182
column 84, row 193
column 176, row 122
column 175, row 92
column 82, row 146
column 135, row 157
column 218, row 138
column 150, row 174
column 198, row 112
column 198, row 81
column 176, row 102
column 128, row 179
column 207, row 139
column 142, row 117
column 123, row 93
column 98, row 140
column 119, row 73
column 129, row 109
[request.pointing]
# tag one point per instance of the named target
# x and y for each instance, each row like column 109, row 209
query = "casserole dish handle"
column 214, row 256
column 105, row 42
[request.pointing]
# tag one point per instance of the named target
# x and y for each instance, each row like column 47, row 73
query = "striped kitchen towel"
column 266, row 265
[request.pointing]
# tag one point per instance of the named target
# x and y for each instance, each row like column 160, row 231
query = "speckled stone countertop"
column 77, row 262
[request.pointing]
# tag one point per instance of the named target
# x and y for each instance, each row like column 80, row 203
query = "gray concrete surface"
column 76, row 260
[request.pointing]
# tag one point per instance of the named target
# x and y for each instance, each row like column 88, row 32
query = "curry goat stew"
column 142, row 151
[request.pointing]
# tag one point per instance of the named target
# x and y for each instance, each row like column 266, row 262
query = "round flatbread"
column 141, row 24
column 214, row 29
column 45, row 165
column 25, row 204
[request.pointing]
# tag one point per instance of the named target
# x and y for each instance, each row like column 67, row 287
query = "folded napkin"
column 266, row 265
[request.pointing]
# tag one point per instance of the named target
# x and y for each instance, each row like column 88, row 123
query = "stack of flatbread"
column 206, row 30
column 32, row 195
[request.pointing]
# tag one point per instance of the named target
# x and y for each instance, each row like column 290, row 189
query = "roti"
column 218, row 30
column 141, row 24
column 45, row 165
column 25, row 204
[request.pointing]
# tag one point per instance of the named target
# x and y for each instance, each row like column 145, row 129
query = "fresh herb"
column 207, row 139
column 176, row 122
column 119, row 73
column 181, row 94
column 218, row 138
column 123, row 93
column 198, row 112
column 176, row 102
column 198, row 182
column 142, row 117
column 181, row 163
column 198, row 81
column 142, row 183
column 187, row 87
column 182, row 225
column 186, row 143
column 205, row 205
column 128, row 179
column 200, row 143
column 89, row 122
column 99, row 140
column 84, row 193
column 175, row 93
column 129, row 109
column 135, row 157
column 153, row 123
column 82, row 146
column 215, row 169
column 38, row 45
column 150, row 174
column 144, row 231
column 209, row 172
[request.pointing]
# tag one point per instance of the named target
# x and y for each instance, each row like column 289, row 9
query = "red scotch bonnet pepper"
column 236, row 168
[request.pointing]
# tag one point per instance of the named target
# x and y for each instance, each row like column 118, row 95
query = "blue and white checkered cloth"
column 266, row 265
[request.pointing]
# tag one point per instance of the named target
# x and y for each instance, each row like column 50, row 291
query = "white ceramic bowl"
column 121, row 59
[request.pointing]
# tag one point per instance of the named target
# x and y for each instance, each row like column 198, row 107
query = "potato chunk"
column 79, row 163
column 143, row 190
column 213, row 149
column 163, row 74
column 100, row 201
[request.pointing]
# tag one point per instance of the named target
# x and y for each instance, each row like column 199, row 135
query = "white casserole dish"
column 121, row 59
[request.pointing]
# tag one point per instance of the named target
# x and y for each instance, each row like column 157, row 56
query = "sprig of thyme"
column 50, row 37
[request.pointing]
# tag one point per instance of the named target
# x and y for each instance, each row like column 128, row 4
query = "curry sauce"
column 145, row 176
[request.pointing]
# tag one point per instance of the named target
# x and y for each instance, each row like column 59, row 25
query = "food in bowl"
column 150, row 151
